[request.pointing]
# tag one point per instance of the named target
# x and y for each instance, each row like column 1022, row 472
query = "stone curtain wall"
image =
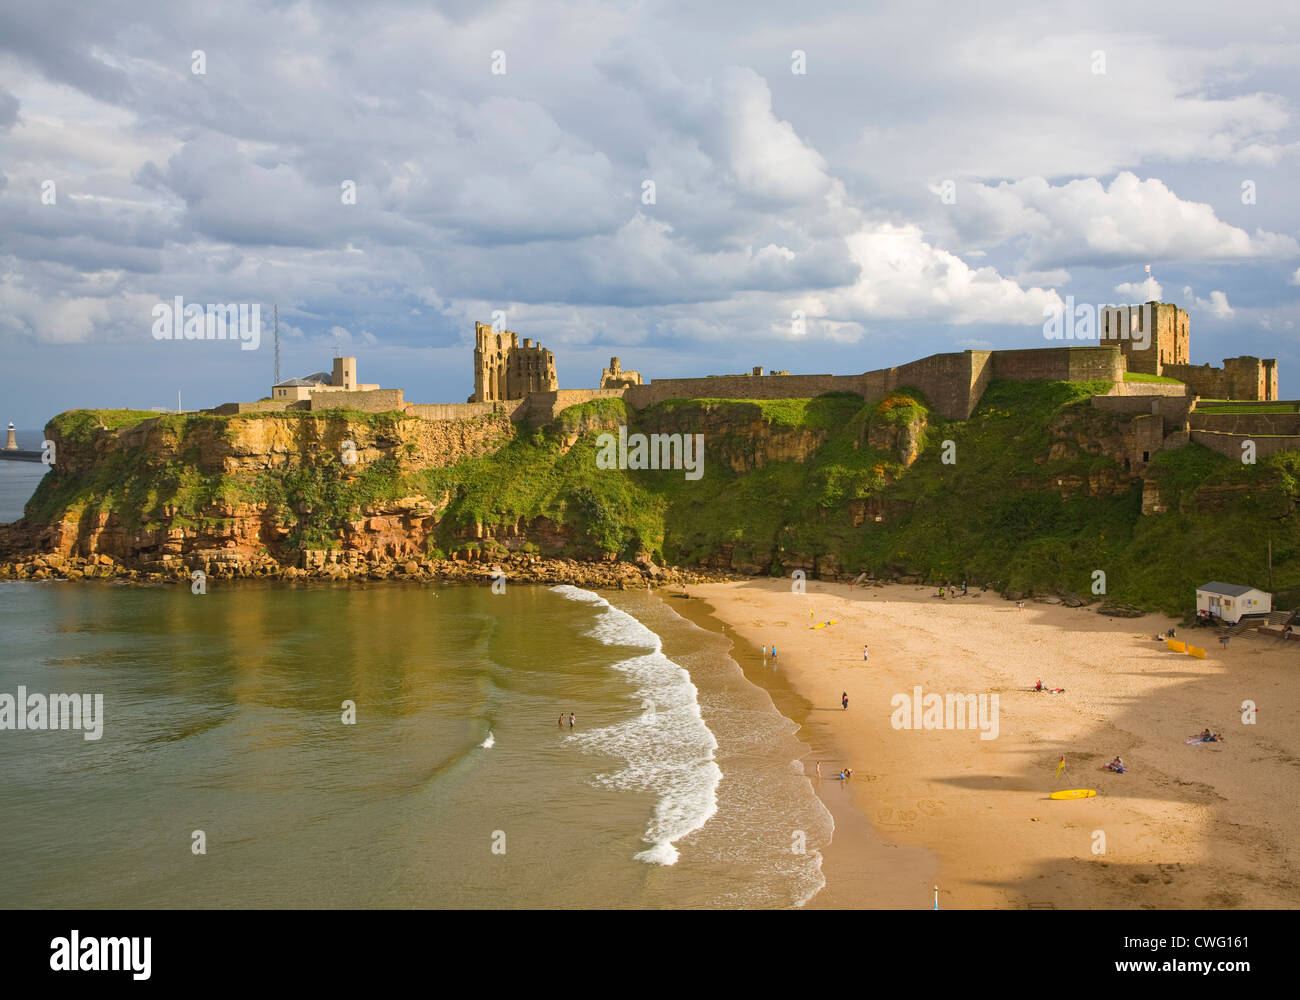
column 1061, row 364
column 1229, row 445
column 1240, row 378
column 373, row 401
column 260, row 406
column 1173, row 410
column 466, row 411
column 1201, row 380
column 1148, row 389
column 952, row 383
column 741, row 387
column 1247, row 424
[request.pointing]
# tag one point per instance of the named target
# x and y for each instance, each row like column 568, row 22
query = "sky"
column 696, row 188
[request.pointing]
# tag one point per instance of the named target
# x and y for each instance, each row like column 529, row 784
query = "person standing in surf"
column 571, row 720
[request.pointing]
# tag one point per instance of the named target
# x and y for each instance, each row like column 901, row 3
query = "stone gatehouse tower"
column 1169, row 342
column 505, row 370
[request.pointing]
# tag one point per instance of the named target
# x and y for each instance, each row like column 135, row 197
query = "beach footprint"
column 930, row 807
column 889, row 817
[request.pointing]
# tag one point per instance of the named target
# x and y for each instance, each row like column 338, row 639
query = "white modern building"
column 1230, row 601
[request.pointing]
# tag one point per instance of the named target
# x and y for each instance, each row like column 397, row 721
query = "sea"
column 18, row 480
column 275, row 745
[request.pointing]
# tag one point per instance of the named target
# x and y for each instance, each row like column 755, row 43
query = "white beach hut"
column 1231, row 601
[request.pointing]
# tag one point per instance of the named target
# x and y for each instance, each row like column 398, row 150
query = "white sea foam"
column 668, row 749
column 490, row 742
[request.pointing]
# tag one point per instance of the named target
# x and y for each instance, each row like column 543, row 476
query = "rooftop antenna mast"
column 277, row 345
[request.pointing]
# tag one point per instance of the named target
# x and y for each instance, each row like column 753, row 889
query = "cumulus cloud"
column 1144, row 291
column 1216, row 305
column 903, row 276
column 1086, row 222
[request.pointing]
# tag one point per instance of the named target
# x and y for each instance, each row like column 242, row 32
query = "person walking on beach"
column 571, row 720
column 774, row 651
column 844, row 700
column 864, row 653
column 560, row 721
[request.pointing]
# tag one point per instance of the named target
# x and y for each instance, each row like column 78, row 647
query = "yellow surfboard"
column 824, row 624
column 1175, row 646
column 1075, row 793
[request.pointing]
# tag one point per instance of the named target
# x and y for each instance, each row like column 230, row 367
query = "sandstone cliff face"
column 903, row 439
column 230, row 530
column 1087, row 432
column 238, row 529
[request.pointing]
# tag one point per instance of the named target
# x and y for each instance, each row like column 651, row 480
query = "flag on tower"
column 1148, row 269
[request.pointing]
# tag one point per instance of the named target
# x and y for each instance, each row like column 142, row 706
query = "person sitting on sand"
column 1038, row 686
column 1205, row 734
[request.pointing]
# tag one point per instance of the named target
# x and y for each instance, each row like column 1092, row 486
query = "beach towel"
column 1194, row 742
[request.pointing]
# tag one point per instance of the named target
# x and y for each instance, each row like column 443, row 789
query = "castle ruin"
column 519, row 383
column 504, row 370
column 614, row 377
column 1168, row 353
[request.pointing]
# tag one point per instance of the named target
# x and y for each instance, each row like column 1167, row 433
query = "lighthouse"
column 11, row 443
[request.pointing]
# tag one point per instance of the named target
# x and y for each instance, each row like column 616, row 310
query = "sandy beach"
column 1196, row 827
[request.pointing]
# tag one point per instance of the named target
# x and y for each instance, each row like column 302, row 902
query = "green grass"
column 1141, row 377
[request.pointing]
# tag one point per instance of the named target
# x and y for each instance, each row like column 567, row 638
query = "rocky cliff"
column 1033, row 494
